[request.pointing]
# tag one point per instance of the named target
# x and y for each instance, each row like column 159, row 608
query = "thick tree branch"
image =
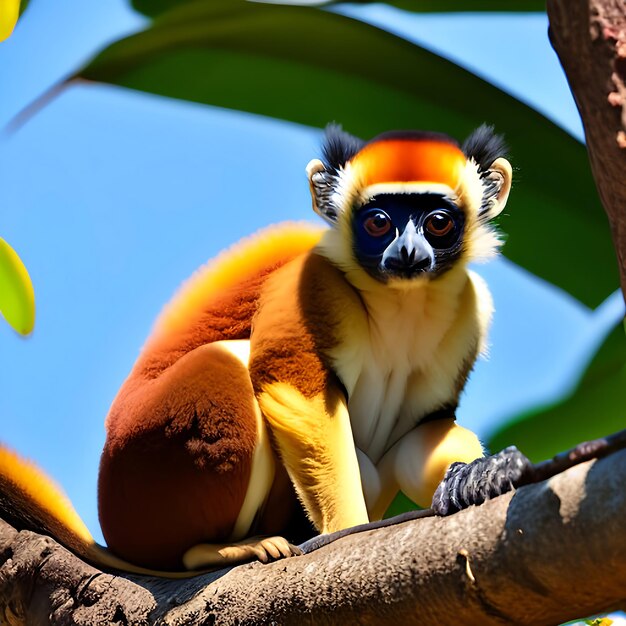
column 589, row 37
column 550, row 552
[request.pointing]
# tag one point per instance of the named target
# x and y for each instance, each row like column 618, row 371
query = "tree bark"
column 549, row 552
column 589, row 37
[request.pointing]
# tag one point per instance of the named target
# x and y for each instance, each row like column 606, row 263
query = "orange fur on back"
column 265, row 249
column 218, row 302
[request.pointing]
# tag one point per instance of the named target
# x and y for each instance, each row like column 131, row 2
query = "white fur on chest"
column 404, row 359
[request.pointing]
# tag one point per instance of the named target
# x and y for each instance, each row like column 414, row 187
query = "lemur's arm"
column 301, row 397
column 420, row 459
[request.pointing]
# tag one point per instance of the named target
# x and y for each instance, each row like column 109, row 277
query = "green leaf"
column 152, row 8
column 313, row 67
column 597, row 407
column 401, row 503
column 17, row 298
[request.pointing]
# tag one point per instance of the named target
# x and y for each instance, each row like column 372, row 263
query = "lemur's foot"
column 264, row 549
column 472, row 483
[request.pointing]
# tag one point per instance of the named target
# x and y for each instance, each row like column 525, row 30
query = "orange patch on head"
column 409, row 160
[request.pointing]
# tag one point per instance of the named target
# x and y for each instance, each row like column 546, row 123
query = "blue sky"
column 112, row 198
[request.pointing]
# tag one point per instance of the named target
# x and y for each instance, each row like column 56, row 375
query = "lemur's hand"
column 472, row 483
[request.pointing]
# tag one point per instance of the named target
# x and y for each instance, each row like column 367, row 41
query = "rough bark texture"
column 545, row 554
column 589, row 37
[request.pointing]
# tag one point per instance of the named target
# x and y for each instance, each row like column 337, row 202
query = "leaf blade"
column 152, row 8
column 9, row 12
column 17, row 297
column 282, row 61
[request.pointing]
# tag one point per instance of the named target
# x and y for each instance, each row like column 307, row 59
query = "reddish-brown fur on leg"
column 176, row 474
column 283, row 513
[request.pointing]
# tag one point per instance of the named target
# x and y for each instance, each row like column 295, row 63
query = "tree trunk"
column 589, row 37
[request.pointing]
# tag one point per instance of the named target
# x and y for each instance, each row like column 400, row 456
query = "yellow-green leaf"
column 17, row 298
column 9, row 12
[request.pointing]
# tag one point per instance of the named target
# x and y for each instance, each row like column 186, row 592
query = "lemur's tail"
column 31, row 500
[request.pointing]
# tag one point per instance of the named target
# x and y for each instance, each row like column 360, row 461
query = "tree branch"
column 550, row 552
column 589, row 37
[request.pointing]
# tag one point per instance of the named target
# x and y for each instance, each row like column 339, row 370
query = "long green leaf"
column 152, row 8
column 313, row 67
column 596, row 408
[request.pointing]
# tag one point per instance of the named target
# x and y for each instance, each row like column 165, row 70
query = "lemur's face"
column 408, row 235
column 408, row 206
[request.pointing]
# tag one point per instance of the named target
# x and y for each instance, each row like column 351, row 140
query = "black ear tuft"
column 339, row 147
column 484, row 146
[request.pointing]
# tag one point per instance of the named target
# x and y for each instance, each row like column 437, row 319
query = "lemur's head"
column 409, row 205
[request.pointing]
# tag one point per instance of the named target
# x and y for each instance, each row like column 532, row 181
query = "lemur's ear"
column 497, row 185
column 321, row 183
column 488, row 151
column 338, row 148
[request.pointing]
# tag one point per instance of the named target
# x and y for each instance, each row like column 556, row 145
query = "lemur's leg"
column 418, row 461
column 187, row 462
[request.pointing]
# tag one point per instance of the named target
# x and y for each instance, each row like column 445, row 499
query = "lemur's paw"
column 472, row 483
column 267, row 549
column 264, row 549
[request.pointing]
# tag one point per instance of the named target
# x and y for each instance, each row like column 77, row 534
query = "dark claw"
column 472, row 483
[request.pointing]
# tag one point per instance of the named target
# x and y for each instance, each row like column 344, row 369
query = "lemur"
column 299, row 381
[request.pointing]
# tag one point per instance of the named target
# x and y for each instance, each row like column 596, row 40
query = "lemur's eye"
column 377, row 224
column 439, row 224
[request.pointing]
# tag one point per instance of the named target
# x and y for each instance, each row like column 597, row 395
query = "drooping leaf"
column 17, row 298
column 313, row 67
column 597, row 407
column 9, row 12
column 152, row 8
